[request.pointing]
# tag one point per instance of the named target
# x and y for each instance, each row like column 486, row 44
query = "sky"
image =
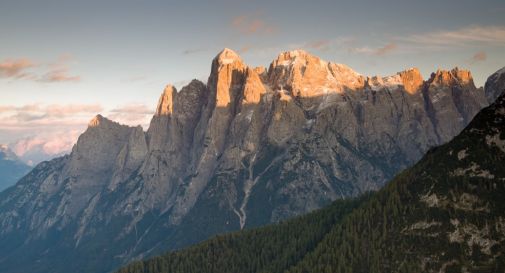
column 63, row 62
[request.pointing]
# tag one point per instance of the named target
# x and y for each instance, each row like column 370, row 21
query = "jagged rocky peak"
column 190, row 100
column 495, row 85
column 166, row 101
column 296, row 57
column 412, row 79
column 100, row 131
column 226, row 77
column 100, row 121
column 304, row 75
column 227, row 57
column 95, row 121
column 450, row 77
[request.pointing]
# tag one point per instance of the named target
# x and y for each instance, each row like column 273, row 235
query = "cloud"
column 68, row 109
column 252, row 24
column 59, row 75
column 132, row 114
column 57, row 71
column 30, row 116
column 245, row 49
column 472, row 35
column 52, row 143
column 41, row 131
column 381, row 51
column 385, row 49
column 36, row 148
column 323, row 45
column 478, row 57
column 15, row 68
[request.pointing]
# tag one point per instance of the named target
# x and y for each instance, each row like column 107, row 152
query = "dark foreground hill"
column 445, row 214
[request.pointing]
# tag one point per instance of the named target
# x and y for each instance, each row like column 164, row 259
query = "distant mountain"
column 251, row 147
column 11, row 168
column 445, row 214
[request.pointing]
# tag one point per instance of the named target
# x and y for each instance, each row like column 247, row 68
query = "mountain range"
column 444, row 214
column 250, row 147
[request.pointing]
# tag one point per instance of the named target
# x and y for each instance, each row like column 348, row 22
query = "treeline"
column 273, row 248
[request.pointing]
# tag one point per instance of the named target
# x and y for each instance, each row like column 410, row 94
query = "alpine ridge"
column 444, row 214
column 250, row 147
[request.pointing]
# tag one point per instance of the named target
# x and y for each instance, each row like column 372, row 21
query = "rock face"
column 495, row 85
column 444, row 214
column 250, row 147
column 11, row 168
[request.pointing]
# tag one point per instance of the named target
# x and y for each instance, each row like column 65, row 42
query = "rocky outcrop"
column 495, row 85
column 251, row 146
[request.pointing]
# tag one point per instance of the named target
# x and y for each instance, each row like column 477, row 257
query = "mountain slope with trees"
column 445, row 214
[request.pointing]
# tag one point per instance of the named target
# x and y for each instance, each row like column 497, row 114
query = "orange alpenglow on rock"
column 456, row 75
column 166, row 101
column 412, row 80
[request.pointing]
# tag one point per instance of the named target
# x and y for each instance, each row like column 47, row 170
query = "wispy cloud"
column 385, row 49
column 478, row 57
column 57, row 71
column 34, row 115
column 60, row 75
column 488, row 35
column 380, row 51
column 322, row 45
column 245, row 49
column 132, row 114
column 252, row 24
column 16, row 68
column 191, row 51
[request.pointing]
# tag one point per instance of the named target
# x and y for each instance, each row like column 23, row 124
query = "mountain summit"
column 249, row 147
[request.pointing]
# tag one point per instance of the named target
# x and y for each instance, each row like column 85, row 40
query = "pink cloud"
column 36, row 115
column 478, row 57
column 57, row 71
column 381, row 51
column 252, row 24
column 386, row 49
column 318, row 45
column 45, row 145
column 59, row 75
column 132, row 114
column 490, row 35
column 15, row 68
